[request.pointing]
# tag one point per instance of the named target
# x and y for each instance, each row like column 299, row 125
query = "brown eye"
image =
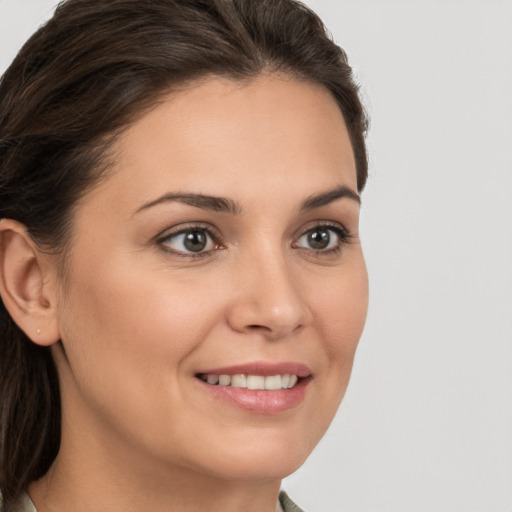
column 319, row 239
column 322, row 238
column 195, row 241
column 190, row 241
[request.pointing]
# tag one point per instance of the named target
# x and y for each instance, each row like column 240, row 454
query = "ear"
column 27, row 293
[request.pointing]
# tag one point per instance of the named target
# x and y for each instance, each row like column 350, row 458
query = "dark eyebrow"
column 324, row 198
column 222, row 204
column 217, row 204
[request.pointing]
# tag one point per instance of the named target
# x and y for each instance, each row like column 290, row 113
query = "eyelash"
column 216, row 238
column 343, row 235
column 213, row 234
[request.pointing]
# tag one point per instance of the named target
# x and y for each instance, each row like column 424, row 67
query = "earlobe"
column 23, row 285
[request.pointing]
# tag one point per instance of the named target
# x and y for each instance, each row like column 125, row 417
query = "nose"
column 268, row 300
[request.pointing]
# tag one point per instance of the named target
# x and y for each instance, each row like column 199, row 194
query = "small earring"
column 38, row 331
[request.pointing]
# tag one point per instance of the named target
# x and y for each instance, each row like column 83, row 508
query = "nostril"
column 273, row 332
column 255, row 327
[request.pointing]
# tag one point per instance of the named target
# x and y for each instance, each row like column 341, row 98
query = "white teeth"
column 212, row 379
column 240, row 380
column 224, row 380
column 273, row 382
column 255, row 382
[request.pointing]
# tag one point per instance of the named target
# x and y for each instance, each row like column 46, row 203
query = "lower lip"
column 258, row 400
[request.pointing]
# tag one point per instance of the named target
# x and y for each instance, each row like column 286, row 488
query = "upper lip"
column 260, row 368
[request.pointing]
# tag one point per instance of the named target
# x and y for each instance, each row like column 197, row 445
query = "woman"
column 181, row 273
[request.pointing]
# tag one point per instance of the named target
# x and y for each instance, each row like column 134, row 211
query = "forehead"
column 223, row 137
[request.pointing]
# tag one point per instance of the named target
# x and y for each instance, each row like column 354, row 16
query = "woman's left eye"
column 193, row 241
column 322, row 239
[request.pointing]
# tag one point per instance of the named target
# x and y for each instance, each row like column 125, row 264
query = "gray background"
column 427, row 421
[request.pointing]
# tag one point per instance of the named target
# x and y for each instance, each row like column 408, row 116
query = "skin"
column 137, row 319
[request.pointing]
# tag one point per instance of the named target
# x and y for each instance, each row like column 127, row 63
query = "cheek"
column 140, row 314
column 131, row 329
column 340, row 312
column 128, row 337
column 341, row 308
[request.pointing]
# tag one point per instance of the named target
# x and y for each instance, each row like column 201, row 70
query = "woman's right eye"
column 189, row 242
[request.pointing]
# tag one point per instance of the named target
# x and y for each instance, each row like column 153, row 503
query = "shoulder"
column 287, row 504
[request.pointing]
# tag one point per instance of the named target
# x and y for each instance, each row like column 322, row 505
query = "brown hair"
column 76, row 83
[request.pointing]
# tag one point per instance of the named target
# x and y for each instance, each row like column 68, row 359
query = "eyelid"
column 187, row 226
column 174, row 231
column 341, row 231
column 336, row 226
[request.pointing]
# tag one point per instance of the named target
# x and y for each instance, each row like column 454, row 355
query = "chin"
column 261, row 468
column 261, row 455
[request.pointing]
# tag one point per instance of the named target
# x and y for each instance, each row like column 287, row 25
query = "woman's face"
column 225, row 242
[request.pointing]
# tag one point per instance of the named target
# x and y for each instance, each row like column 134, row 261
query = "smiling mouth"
column 258, row 387
column 255, row 382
